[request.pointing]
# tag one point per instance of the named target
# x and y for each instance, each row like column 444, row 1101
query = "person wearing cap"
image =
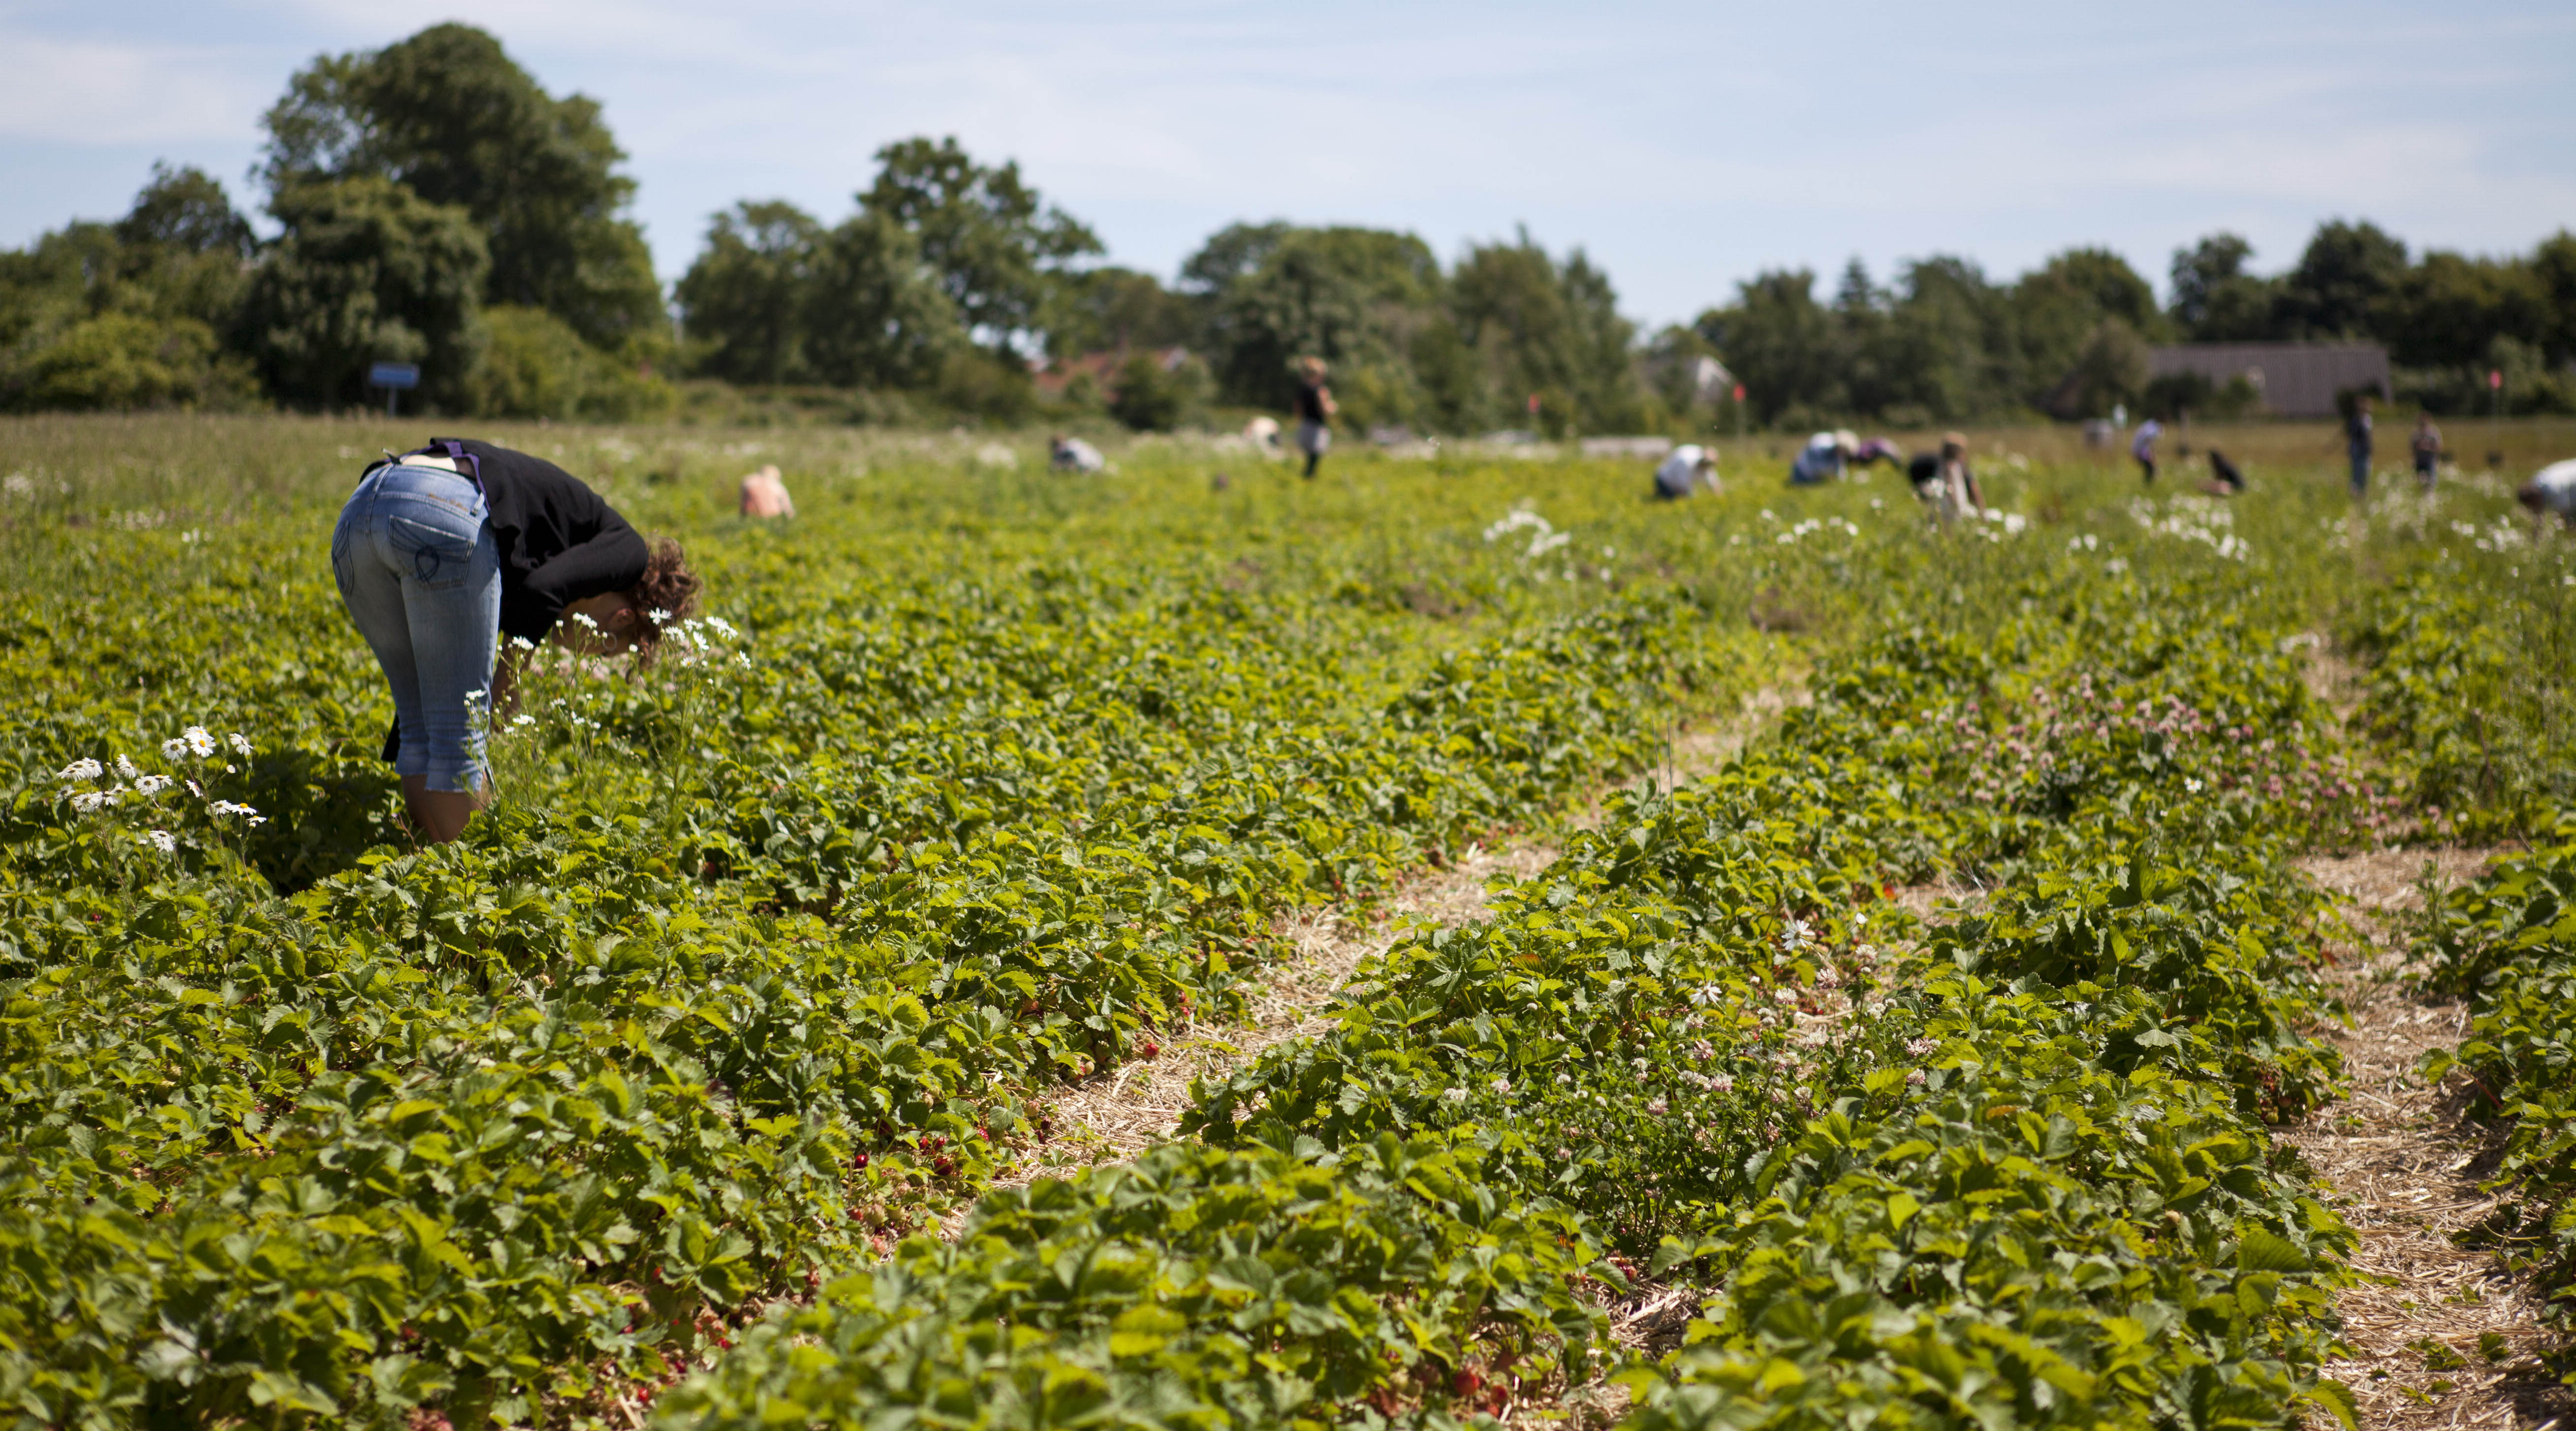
column 1824, row 458
column 1683, row 470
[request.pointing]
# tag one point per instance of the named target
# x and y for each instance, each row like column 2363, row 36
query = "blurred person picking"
column 1684, row 470
column 2357, row 442
column 2225, row 479
column 2427, row 446
column 1823, row 459
column 1072, row 454
column 1877, row 449
column 1944, row 482
column 763, row 494
column 442, row 549
column 1315, row 409
column 2143, row 448
column 2551, row 489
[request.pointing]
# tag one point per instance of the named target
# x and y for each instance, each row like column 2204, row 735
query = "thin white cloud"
column 93, row 92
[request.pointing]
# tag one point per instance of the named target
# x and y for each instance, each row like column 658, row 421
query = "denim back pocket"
column 437, row 556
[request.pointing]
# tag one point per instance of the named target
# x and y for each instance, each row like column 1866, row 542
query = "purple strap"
column 468, row 465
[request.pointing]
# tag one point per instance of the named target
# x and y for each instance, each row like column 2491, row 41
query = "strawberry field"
column 1932, row 1049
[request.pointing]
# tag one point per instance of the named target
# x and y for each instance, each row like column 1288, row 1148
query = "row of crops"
column 682, row 1087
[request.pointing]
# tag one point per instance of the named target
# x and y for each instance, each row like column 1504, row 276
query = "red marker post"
column 1739, row 412
column 2495, row 415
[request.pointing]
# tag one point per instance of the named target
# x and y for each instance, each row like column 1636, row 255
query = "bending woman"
column 441, row 549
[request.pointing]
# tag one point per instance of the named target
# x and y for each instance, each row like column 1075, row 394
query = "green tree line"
column 1944, row 343
column 434, row 204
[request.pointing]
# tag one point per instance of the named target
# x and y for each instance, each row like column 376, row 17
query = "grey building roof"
column 2295, row 379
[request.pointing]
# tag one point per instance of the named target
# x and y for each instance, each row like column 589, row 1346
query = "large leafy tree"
column 2344, row 282
column 745, row 300
column 1358, row 298
column 448, row 114
column 997, row 247
column 130, row 313
column 776, row 298
column 1780, row 341
column 2084, row 315
column 367, row 271
column 1549, row 329
column 2214, row 298
column 878, row 317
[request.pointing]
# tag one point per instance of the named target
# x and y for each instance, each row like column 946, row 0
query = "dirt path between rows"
column 2441, row 1335
column 1118, row 1115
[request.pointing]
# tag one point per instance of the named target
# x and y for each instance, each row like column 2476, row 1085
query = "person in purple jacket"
column 439, row 551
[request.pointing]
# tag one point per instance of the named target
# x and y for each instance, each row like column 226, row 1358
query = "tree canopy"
column 996, row 246
column 450, row 116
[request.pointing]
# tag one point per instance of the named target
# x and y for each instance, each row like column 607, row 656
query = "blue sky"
column 1686, row 147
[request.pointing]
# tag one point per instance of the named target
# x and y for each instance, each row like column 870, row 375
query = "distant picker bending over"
column 2143, row 448
column 440, row 549
column 1823, row 459
column 1315, row 409
column 1685, row 470
column 1943, row 482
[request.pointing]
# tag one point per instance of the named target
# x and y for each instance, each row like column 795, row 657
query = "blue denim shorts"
column 417, row 568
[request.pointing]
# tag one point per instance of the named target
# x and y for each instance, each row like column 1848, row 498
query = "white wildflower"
column 126, row 768
column 1657, row 1106
column 173, row 749
column 201, row 742
column 658, row 616
column 227, row 807
column 1723, row 1083
column 151, row 784
column 160, row 840
column 2192, row 785
column 88, row 801
column 239, row 742
column 1502, row 1084
column 81, row 769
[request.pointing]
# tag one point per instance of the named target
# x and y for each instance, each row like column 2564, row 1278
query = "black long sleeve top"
column 559, row 541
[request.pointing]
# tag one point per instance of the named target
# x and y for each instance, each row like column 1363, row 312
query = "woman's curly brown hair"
column 668, row 593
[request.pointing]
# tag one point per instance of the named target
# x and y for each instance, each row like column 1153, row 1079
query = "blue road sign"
column 394, row 375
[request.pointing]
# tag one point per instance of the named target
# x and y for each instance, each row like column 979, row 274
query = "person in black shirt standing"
column 1315, row 409
column 441, row 549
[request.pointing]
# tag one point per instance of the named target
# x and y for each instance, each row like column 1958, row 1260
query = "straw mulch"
column 2439, row 1334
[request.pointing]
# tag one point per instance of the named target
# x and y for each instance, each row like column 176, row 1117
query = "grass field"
column 701, row 1081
